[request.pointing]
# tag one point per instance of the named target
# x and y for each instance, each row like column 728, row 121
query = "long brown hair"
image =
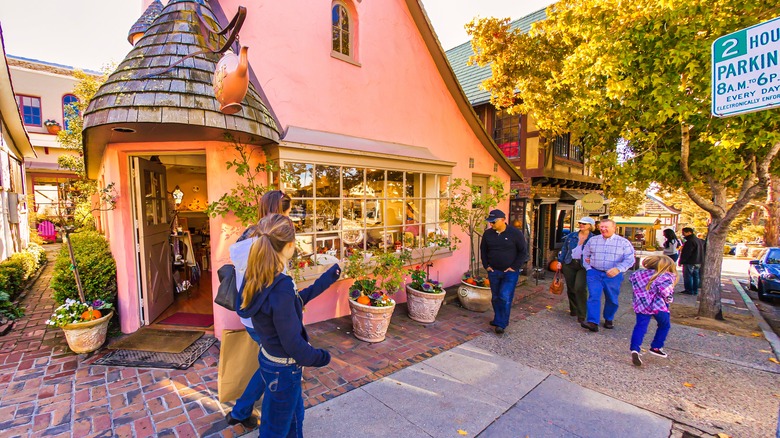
column 274, row 201
column 660, row 264
column 273, row 233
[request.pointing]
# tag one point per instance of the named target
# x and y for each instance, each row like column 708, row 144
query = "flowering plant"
column 421, row 282
column 475, row 280
column 51, row 122
column 76, row 311
column 376, row 278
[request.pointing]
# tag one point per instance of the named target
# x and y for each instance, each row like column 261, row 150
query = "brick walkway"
column 45, row 390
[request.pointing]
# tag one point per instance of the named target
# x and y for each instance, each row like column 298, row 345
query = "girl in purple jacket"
column 653, row 290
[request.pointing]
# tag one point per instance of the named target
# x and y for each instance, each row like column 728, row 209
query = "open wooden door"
column 153, row 229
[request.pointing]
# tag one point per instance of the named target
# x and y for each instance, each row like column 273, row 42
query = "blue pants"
column 640, row 329
column 502, row 287
column 599, row 283
column 282, row 413
column 254, row 390
column 691, row 279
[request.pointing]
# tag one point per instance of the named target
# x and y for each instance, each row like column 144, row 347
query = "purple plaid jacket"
column 658, row 298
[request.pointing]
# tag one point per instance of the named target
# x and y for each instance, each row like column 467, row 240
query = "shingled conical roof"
column 140, row 98
column 143, row 23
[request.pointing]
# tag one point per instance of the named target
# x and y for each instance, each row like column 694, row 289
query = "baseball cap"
column 495, row 214
column 587, row 220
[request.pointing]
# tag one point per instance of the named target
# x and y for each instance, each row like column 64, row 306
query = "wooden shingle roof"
column 140, row 96
column 472, row 76
column 146, row 20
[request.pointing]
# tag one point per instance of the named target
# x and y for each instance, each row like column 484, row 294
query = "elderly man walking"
column 605, row 258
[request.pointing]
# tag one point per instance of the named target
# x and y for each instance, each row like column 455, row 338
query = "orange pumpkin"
column 91, row 314
column 364, row 300
column 555, row 265
column 487, row 282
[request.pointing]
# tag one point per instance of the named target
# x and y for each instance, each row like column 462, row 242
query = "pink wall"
column 395, row 95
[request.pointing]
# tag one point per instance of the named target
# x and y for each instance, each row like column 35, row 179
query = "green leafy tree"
column 468, row 207
column 82, row 190
column 631, row 82
column 627, row 202
column 243, row 200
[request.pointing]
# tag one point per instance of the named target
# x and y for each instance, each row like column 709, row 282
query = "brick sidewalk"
column 45, row 390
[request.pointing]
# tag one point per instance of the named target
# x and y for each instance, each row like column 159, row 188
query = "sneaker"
column 590, row 326
column 636, row 359
column 249, row 423
column 608, row 324
column 658, row 352
column 499, row 330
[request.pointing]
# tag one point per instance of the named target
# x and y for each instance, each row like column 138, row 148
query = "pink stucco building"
column 354, row 98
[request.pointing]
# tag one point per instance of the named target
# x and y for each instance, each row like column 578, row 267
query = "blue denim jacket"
column 569, row 243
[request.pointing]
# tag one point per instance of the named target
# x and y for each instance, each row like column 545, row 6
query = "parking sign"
column 746, row 70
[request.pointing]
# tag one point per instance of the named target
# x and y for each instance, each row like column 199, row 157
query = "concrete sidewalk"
column 468, row 391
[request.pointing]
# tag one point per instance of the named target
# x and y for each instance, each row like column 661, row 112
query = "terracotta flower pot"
column 53, row 129
column 423, row 306
column 86, row 337
column 475, row 298
column 370, row 323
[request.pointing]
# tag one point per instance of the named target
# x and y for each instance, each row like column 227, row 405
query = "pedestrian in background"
column 691, row 258
column 653, row 292
column 503, row 252
column 671, row 244
column 606, row 258
column 574, row 272
column 270, row 298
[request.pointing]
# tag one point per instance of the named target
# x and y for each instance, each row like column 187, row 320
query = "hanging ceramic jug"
column 231, row 80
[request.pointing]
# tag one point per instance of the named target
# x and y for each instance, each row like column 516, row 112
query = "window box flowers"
column 52, row 126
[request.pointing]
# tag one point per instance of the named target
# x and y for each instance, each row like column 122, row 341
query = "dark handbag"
column 556, row 287
column 227, row 291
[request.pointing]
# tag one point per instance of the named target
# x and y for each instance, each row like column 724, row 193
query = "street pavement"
column 545, row 376
column 548, row 377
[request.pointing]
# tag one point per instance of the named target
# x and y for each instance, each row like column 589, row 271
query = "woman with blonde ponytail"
column 270, row 298
column 653, row 292
column 273, row 201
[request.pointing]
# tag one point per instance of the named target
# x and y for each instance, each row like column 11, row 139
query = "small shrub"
column 8, row 309
column 38, row 251
column 97, row 269
column 11, row 278
column 29, row 262
column 35, row 237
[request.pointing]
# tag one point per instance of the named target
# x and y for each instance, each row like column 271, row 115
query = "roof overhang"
column 448, row 75
column 10, row 110
column 97, row 138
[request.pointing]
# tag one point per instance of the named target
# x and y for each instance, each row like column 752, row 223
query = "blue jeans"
column 282, row 412
column 254, row 390
column 691, row 279
column 502, row 287
column 599, row 283
column 640, row 329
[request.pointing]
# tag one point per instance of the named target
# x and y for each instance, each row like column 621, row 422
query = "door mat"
column 160, row 341
column 189, row 319
column 151, row 359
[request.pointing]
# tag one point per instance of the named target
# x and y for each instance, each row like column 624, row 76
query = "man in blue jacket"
column 503, row 252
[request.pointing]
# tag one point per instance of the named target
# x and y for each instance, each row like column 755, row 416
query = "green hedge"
column 97, row 269
column 14, row 271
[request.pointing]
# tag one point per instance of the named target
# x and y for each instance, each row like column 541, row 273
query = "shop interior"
column 189, row 238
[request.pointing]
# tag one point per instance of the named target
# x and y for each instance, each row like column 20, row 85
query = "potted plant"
column 424, row 295
column 52, row 126
column 377, row 278
column 84, row 324
column 468, row 207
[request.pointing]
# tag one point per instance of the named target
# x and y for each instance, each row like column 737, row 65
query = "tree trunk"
column 710, row 305
column 772, row 225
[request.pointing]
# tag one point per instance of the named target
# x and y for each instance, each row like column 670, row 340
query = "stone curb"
column 769, row 335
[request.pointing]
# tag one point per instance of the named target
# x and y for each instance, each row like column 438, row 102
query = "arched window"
column 342, row 38
column 68, row 101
